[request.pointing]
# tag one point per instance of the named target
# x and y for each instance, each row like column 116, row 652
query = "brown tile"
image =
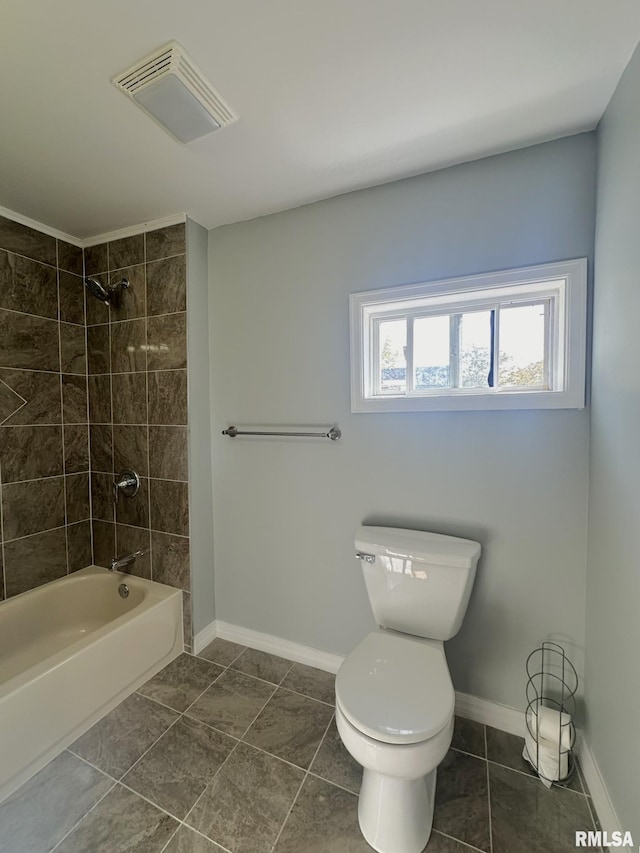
column 181, row 682
column 128, row 346
column 527, row 816
column 462, row 802
column 73, row 348
column 95, row 259
column 126, row 252
column 100, row 399
column 135, row 511
column 129, row 302
column 79, row 546
column 129, row 540
column 122, row 822
column 167, row 286
column 74, row 399
column 186, row 618
column 98, row 350
column 130, row 448
column 117, row 741
column 28, row 286
column 77, row 497
column 164, row 242
column 291, row 727
column 76, row 449
column 32, row 507
column 222, row 651
column 187, row 841
column 168, row 453
column 27, row 241
column 335, row 764
column 167, row 342
column 170, row 507
column 232, row 702
column 170, row 560
column 71, row 290
column 28, row 342
column 104, row 543
column 247, row 802
column 311, row 682
column 30, row 452
column 102, row 496
column 42, row 393
column 468, row 736
column 324, row 819
column 129, row 398
column 97, row 312
column 35, row 560
column 10, row 402
column 262, row 665
column 177, row 769
column 101, row 448
column 168, row 397
column 70, row 257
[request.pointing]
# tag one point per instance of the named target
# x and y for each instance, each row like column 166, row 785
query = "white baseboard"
column 484, row 711
column 267, row 643
column 598, row 790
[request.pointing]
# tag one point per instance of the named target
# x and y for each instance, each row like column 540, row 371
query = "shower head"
column 105, row 294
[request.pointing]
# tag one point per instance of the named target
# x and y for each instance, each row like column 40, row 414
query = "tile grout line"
column 304, row 779
column 146, row 409
column 64, row 483
column 486, row 752
column 88, row 812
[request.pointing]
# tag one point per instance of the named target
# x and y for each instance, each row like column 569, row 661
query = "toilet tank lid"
column 418, row 545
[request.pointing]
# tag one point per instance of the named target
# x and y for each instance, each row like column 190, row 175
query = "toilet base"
column 396, row 815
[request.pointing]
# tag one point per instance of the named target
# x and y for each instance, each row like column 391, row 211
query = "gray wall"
column 200, row 495
column 613, row 587
column 286, row 510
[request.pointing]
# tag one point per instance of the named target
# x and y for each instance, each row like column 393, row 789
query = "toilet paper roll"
column 545, row 758
column 553, row 726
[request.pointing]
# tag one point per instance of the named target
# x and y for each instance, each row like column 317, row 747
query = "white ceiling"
column 332, row 95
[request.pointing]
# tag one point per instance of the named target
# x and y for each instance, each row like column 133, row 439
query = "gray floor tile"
column 120, row 738
column 468, row 736
column 181, row 682
column 312, row 682
column 177, row 769
column 291, row 727
column 222, row 651
column 439, row 843
column 44, row 809
column 262, row 665
column 334, row 763
column 247, row 802
column 187, row 841
column 324, row 819
column 232, row 702
column 462, row 803
column 121, row 823
column 526, row 817
column 506, row 749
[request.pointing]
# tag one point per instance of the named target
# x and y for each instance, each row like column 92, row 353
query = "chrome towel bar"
column 334, row 433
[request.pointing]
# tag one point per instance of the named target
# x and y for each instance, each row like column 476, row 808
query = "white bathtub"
column 69, row 652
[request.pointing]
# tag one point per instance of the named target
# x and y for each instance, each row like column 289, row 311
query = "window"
column 508, row 340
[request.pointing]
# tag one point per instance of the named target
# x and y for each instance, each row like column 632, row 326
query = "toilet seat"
column 396, row 689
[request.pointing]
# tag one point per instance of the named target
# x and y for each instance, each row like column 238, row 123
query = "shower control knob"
column 127, row 482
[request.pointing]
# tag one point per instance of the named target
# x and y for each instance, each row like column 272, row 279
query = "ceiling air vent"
column 170, row 87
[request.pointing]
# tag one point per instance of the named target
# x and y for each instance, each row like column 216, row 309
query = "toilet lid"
column 396, row 689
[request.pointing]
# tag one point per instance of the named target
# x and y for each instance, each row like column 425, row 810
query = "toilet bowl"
column 394, row 713
column 394, row 696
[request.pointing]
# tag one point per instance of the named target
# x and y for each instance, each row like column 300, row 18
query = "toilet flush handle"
column 368, row 558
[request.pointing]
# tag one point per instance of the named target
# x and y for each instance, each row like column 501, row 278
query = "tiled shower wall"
column 137, row 364
column 45, row 531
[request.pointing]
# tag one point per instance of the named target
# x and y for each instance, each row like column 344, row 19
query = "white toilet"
column 394, row 697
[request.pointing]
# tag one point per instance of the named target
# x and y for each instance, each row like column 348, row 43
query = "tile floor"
column 236, row 750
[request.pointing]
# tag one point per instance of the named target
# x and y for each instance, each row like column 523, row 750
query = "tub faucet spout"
column 120, row 562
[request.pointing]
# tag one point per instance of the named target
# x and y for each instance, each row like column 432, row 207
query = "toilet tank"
column 418, row 583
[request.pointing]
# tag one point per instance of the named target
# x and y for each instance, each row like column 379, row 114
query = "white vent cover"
column 170, row 87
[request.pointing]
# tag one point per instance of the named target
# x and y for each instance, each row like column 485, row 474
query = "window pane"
column 392, row 376
column 475, row 349
column 522, row 346
column 431, row 353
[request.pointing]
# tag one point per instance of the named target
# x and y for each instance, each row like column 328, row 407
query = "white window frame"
column 563, row 285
